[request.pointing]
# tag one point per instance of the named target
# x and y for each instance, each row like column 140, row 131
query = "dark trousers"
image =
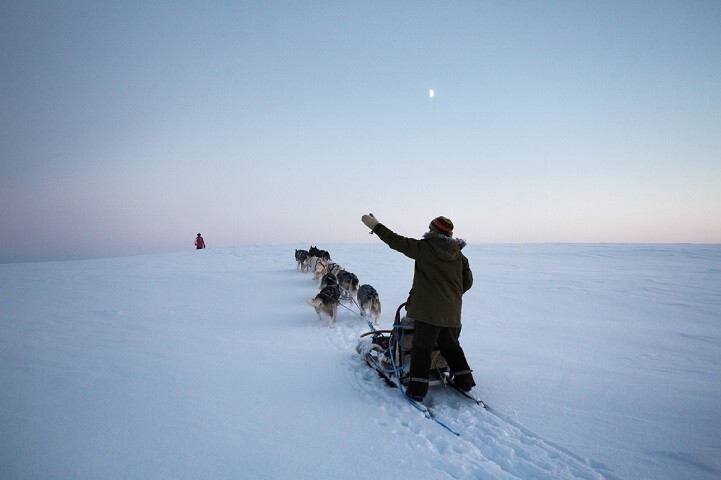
column 425, row 337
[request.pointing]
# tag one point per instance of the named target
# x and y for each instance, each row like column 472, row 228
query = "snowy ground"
column 598, row 361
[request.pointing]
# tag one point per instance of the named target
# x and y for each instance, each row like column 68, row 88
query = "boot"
column 464, row 380
column 460, row 371
column 418, row 375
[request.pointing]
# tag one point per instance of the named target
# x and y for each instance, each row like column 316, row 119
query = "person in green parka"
column 441, row 276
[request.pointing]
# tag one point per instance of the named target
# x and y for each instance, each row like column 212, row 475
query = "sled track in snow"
column 490, row 445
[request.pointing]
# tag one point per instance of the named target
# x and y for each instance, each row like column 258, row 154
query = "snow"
column 597, row 361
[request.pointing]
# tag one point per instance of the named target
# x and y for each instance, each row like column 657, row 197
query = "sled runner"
column 389, row 352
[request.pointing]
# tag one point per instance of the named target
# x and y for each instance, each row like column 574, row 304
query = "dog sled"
column 388, row 352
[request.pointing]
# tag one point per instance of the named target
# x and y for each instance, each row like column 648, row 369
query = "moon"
column 431, row 93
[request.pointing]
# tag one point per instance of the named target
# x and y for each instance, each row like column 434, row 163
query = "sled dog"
column 301, row 256
column 316, row 252
column 369, row 302
column 317, row 266
column 326, row 303
column 328, row 279
column 333, row 268
column 349, row 284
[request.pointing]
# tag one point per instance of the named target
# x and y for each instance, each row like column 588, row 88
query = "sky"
column 129, row 127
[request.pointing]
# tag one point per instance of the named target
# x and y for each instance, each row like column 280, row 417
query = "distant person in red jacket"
column 199, row 242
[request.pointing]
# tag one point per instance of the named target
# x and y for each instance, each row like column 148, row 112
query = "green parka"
column 440, row 278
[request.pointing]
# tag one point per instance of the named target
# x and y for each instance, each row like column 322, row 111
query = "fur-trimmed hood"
column 446, row 249
column 450, row 240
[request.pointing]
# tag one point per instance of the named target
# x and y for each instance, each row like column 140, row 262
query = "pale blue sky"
column 128, row 127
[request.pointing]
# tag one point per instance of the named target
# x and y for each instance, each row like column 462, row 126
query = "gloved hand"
column 369, row 221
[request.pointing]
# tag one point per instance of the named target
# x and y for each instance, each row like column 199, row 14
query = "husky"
column 317, row 266
column 328, row 279
column 326, row 303
column 334, row 268
column 301, row 256
column 349, row 284
column 368, row 302
column 316, row 252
